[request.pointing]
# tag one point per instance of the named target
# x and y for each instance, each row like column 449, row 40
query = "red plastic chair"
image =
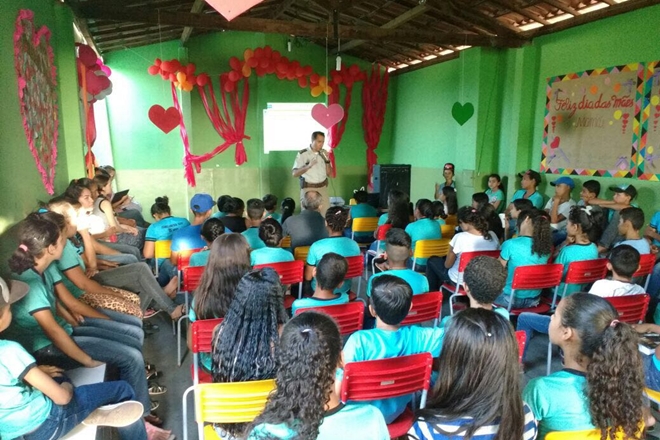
column 521, row 337
column 202, row 338
column 387, row 378
column 381, row 232
column 534, row 277
column 349, row 316
column 290, row 272
column 632, row 308
column 191, row 278
column 425, row 307
column 582, row 272
column 355, row 270
column 646, row 263
column 463, row 259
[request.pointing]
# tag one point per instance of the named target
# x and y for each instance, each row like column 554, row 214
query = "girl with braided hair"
column 602, row 383
column 305, row 404
column 475, row 237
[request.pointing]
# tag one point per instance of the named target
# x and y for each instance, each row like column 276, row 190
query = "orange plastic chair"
column 448, row 231
column 438, row 247
column 582, row 272
column 463, row 259
column 232, row 402
column 632, row 308
column 300, row 253
column 355, row 270
column 349, row 316
column 425, row 307
column 387, row 378
column 521, row 337
column 381, row 232
column 538, row 276
column 286, row 242
column 646, row 263
column 290, row 272
column 191, row 278
column 202, row 338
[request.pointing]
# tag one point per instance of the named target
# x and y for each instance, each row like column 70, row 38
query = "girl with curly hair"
column 245, row 345
column 475, row 237
column 602, row 383
column 532, row 246
column 477, row 394
column 305, row 404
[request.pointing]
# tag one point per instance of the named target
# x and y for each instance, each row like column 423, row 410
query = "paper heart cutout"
column 327, row 116
column 233, row 8
column 462, row 112
column 657, row 115
column 626, row 116
column 555, row 142
column 37, row 91
column 166, row 120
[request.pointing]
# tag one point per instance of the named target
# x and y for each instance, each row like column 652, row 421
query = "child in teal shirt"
column 270, row 208
column 211, row 229
column 362, row 210
column 270, row 232
column 255, row 211
column 329, row 274
column 495, row 193
column 424, row 227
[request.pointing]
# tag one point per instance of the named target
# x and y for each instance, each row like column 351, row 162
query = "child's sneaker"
column 117, row 415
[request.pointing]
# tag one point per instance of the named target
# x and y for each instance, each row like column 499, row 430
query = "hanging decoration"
column 95, row 84
column 166, row 120
column 462, row 112
column 233, row 8
column 327, row 116
column 37, row 92
column 374, row 104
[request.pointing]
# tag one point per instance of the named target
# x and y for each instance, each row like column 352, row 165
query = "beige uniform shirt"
column 316, row 174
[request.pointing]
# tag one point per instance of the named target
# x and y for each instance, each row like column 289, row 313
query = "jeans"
column 136, row 215
column 651, row 373
column 518, row 303
column 558, row 236
column 115, row 352
column 124, row 329
column 125, row 249
column 121, row 259
column 653, row 289
column 166, row 271
column 436, row 272
column 530, row 323
column 87, row 398
column 137, row 278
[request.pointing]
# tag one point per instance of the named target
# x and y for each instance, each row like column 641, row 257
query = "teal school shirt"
column 204, row 358
column 559, row 402
column 571, row 253
column 23, row 408
column 199, row 259
column 495, row 196
column 655, row 224
column 363, row 210
column 536, row 198
column 518, row 252
column 219, row 214
column 499, row 310
column 187, row 238
column 417, row 282
column 69, row 260
column 339, row 245
column 275, row 215
column 165, row 228
column 252, row 237
column 267, row 255
column 423, row 229
column 366, row 345
column 318, row 302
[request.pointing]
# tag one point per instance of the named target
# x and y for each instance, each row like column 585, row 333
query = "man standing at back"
column 308, row 226
column 312, row 167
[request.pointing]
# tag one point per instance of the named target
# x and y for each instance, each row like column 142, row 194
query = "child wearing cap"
column 559, row 206
column 622, row 199
column 448, row 174
column 190, row 237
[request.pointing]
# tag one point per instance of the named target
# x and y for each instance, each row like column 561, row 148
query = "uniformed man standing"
column 313, row 167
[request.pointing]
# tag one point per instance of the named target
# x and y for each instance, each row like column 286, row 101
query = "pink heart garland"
column 166, row 120
column 555, row 142
column 231, row 9
column 327, row 116
column 37, row 91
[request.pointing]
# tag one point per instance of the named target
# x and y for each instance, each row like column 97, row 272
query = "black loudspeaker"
column 389, row 177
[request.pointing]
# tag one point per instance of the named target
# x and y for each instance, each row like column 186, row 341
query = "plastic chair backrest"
column 646, row 263
column 382, row 231
column 234, row 402
column 364, row 224
column 286, row 242
column 425, row 307
column 290, row 272
column 521, row 338
column 632, row 308
column 349, row 316
column 386, row 378
column 352, row 202
column 465, row 258
column 591, row 434
column 183, row 258
column 300, row 253
column 202, row 334
column 539, row 276
column 191, row 277
column 584, row 272
column 163, row 249
column 448, row 231
column 451, row 219
column 431, row 248
column 355, row 267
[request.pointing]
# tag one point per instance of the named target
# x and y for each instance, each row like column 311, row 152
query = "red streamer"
column 374, row 103
column 336, row 132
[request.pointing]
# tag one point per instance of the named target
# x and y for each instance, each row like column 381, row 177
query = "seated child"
column 495, row 193
column 397, row 251
column 211, row 229
column 233, row 218
column 590, row 190
column 390, row 302
column 515, row 208
column 622, row 199
column 479, row 200
column 439, row 212
column 329, row 273
column 529, row 181
column 270, row 207
column 478, row 393
column 361, row 210
column 221, row 203
column 305, row 404
column 631, row 221
column 34, row 406
column 270, row 232
column 255, row 211
column 559, row 206
column 424, row 227
column 623, row 262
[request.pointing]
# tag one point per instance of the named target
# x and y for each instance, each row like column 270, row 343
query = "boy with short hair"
column 390, row 302
column 270, row 206
column 622, row 199
column 559, row 206
column 255, row 211
column 330, row 273
column 398, row 248
column 631, row 221
column 623, row 262
column 590, row 190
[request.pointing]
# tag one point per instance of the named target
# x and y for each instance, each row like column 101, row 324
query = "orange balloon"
column 247, row 71
column 316, row 91
column 249, row 53
column 323, row 81
column 181, row 77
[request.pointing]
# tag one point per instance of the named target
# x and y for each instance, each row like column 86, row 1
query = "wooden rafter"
column 521, row 11
column 568, row 9
column 286, row 4
column 412, row 68
column 197, row 7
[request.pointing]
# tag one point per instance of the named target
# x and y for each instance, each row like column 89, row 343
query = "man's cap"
column 565, row 181
column 9, row 295
column 534, row 175
column 628, row 189
column 201, row 203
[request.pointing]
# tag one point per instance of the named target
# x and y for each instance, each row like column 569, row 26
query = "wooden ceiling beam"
column 313, row 30
column 562, row 7
column 197, row 7
column 143, row 35
column 521, row 11
column 116, row 28
column 81, row 23
column 477, row 17
column 428, row 63
column 286, row 4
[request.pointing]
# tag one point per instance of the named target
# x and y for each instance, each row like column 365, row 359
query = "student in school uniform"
column 221, row 203
column 270, row 232
column 631, row 221
column 423, row 228
column 270, row 207
column 329, row 274
column 495, row 193
column 255, row 212
column 190, row 237
column 361, row 210
column 622, row 199
column 517, row 206
column 211, row 229
column 559, row 206
column 234, row 208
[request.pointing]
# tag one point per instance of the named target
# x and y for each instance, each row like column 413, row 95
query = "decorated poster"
column 649, row 160
column 591, row 124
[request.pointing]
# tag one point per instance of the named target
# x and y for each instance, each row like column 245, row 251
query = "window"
column 289, row 126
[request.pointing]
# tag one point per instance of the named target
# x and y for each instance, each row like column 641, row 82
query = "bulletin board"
column 597, row 122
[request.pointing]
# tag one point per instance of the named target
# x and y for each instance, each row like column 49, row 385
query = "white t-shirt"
column 605, row 288
column 466, row 242
column 564, row 209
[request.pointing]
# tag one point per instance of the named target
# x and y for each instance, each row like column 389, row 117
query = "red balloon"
column 175, row 65
column 166, row 66
column 354, row 69
column 276, row 56
column 86, row 55
column 192, row 79
column 308, row 70
column 282, row 67
column 281, row 75
column 271, row 68
column 314, row 79
column 259, row 52
column 291, row 75
column 264, row 63
column 202, row 80
column 336, row 77
column 235, row 63
column 165, row 76
column 302, row 82
column 260, row 71
column 300, row 72
column 157, row 62
column 253, row 62
column 172, row 77
column 190, row 69
column 234, row 76
column 229, row 86
column 348, row 82
column 153, row 70
column 268, row 51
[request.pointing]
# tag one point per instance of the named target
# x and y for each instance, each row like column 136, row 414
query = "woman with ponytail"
column 475, row 237
column 305, row 404
column 532, row 246
column 602, row 383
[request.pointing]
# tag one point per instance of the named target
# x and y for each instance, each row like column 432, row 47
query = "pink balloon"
column 153, row 70
column 202, row 80
column 106, row 69
column 86, row 55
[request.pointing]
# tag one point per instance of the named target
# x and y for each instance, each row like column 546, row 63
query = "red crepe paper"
column 37, row 91
column 374, row 103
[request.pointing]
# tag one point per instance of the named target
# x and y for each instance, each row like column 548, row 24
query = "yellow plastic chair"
column 430, row 248
column 654, row 396
column 452, row 220
column 448, row 231
column 237, row 402
column 162, row 249
column 352, row 202
column 364, row 224
column 590, row 434
column 300, row 253
column 286, row 242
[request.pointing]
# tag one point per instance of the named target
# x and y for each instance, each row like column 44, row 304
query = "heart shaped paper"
column 327, row 116
column 37, row 91
column 555, row 142
column 462, row 112
column 231, row 9
column 166, row 120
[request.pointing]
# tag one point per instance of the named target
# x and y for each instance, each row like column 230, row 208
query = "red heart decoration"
column 657, row 115
column 327, row 116
column 555, row 142
column 625, row 116
column 37, row 91
column 166, row 120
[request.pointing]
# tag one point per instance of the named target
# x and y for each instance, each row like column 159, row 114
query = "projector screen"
column 289, row 126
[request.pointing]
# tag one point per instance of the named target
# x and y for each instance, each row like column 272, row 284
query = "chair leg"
column 549, row 366
column 178, row 340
